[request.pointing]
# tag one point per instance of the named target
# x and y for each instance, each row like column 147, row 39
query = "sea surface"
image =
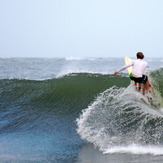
column 74, row 110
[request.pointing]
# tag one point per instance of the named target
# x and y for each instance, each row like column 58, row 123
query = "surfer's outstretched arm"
column 123, row 68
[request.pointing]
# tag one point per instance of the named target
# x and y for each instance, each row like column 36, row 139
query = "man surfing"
column 139, row 67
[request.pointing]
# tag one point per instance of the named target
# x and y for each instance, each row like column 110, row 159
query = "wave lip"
column 135, row 149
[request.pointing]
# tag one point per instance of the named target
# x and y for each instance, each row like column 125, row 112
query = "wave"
column 73, row 58
column 135, row 149
column 118, row 118
column 122, row 120
column 41, row 115
column 23, row 101
column 76, row 89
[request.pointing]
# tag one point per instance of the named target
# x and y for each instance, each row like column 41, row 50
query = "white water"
column 135, row 149
column 117, row 124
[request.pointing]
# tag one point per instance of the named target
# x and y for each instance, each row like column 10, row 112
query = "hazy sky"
column 81, row 28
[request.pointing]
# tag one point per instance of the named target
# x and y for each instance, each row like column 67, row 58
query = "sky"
column 81, row 28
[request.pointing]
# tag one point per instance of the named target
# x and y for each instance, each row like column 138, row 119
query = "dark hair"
column 140, row 55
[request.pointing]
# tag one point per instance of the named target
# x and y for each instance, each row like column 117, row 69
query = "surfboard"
column 128, row 60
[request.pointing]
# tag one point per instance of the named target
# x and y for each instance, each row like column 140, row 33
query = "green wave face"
column 27, row 104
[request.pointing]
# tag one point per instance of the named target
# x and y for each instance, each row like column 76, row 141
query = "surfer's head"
column 140, row 55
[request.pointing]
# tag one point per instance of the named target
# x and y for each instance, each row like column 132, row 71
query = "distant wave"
column 73, row 58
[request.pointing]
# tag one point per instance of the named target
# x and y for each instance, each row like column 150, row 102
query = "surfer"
column 139, row 67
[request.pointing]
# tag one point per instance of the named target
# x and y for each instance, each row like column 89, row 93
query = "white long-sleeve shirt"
column 139, row 67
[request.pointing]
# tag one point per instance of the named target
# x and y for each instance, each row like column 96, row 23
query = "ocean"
column 74, row 110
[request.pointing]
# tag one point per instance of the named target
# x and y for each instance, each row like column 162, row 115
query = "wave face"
column 41, row 116
column 121, row 120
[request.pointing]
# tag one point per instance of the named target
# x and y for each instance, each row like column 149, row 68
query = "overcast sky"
column 81, row 28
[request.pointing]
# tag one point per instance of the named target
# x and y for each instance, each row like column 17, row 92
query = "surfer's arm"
column 124, row 67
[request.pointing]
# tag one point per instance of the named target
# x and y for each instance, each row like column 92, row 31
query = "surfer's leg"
column 147, row 85
column 145, row 81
